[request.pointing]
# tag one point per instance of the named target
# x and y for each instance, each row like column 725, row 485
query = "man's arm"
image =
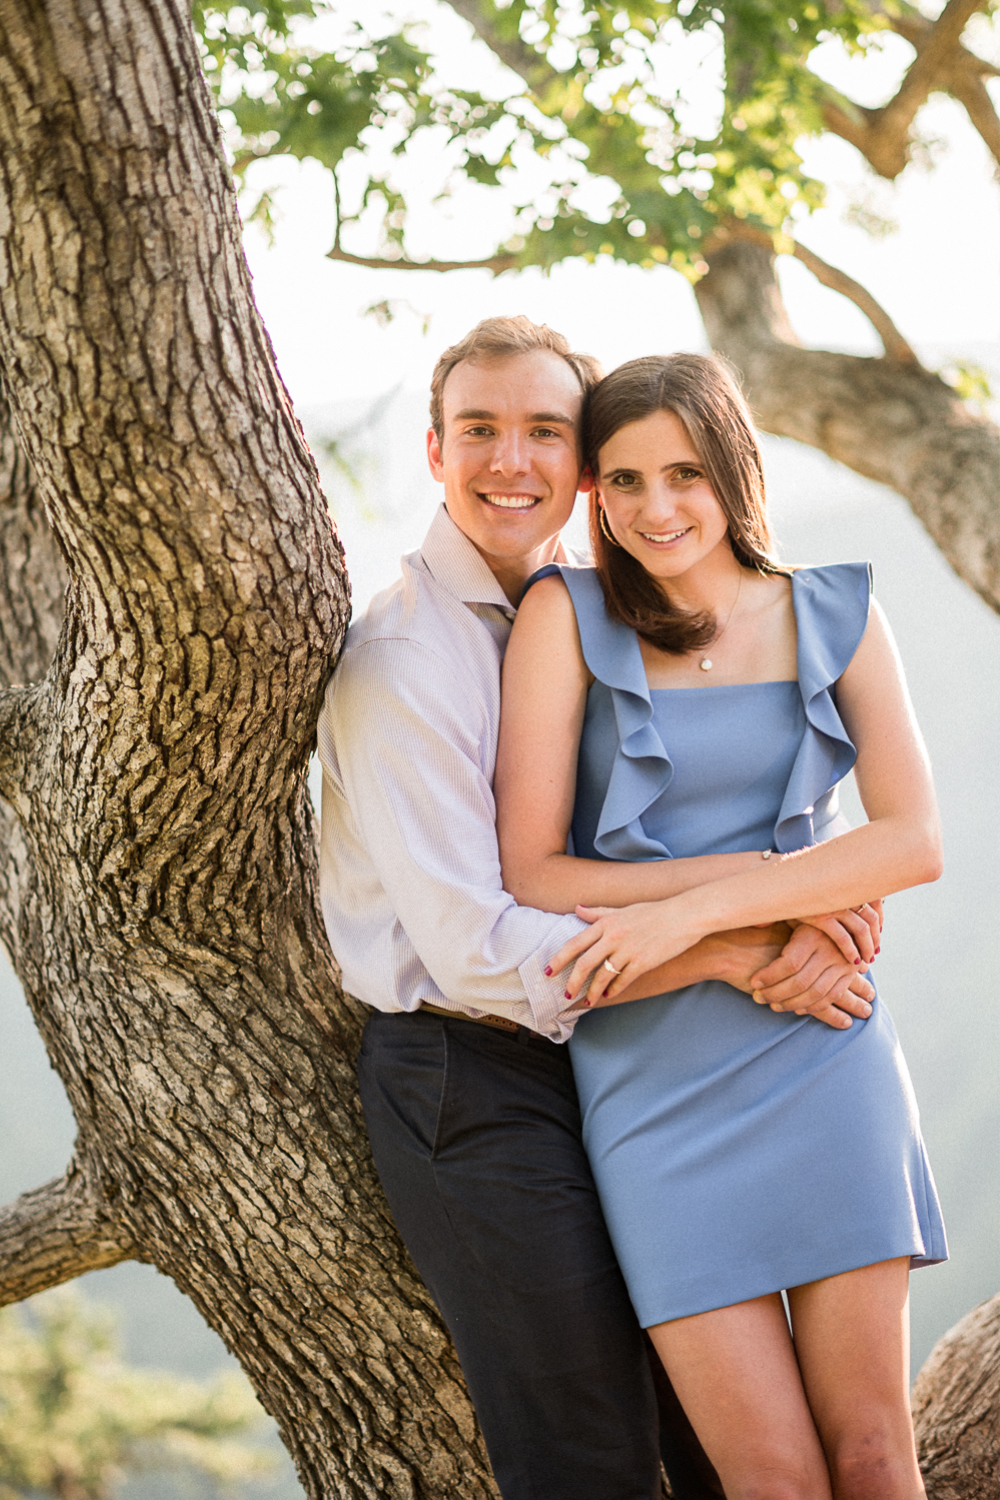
column 406, row 751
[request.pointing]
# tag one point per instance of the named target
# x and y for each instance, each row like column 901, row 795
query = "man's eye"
column 546, row 432
column 478, row 432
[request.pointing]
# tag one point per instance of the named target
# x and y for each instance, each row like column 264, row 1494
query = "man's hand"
column 812, row 977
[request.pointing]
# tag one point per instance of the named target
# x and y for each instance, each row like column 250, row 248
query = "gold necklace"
column 706, row 661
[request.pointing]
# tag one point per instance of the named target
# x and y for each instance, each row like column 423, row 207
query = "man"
column 471, row 1109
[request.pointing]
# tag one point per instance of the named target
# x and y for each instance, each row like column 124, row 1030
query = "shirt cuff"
column 547, row 993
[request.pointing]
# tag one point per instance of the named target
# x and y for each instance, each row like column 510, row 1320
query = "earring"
column 602, row 522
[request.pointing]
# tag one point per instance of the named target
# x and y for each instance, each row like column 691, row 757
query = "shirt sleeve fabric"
column 414, row 760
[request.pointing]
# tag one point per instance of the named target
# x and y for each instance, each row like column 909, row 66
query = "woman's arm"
column 545, row 685
column 900, row 846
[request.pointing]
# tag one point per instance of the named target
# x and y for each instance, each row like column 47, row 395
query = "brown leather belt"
column 500, row 1022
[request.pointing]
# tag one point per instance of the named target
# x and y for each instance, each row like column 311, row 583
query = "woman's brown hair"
column 702, row 393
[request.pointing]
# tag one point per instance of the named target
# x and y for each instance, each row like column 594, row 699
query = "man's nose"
column 510, row 454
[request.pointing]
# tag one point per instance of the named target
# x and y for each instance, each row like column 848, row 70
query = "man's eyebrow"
column 474, row 414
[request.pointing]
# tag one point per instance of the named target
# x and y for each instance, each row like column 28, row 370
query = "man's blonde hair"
column 495, row 338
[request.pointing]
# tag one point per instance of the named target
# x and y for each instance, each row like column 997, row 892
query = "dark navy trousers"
column 477, row 1140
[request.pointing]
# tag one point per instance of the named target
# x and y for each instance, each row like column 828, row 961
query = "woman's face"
column 658, row 502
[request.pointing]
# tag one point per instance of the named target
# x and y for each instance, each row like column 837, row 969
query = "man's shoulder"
column 414, row 608
column 413, row 633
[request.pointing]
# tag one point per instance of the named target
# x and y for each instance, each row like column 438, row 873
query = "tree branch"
column 512, row 51
column 893, row 342
column 494, row 263
column 894, row 422
column 895, row 345
column 962, row 75
column 883, row 135
column 54, row 1233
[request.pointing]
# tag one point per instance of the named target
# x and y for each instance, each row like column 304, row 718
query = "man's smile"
column 510, row 502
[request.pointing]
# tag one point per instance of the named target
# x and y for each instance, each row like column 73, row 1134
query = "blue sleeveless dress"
column 736, row 1152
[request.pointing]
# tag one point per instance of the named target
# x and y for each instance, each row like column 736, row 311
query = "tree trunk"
column 956, row 1410
column 159, row 894
column 890, row 420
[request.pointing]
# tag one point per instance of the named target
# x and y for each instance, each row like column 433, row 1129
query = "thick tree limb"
column 956, row 1409
column 18, row 737
column 883, row 135
column 893, row 422
column 32, row 570
column 54, row 1233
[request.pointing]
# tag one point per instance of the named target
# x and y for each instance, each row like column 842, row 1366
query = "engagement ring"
column 611, row 968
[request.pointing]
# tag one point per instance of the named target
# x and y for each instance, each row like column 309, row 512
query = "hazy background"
column 361, row 385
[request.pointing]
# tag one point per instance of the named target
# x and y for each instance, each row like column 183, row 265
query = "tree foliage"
column 601, row 92
column 74, row 1417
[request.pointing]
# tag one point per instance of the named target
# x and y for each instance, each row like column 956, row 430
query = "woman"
column 689, row 698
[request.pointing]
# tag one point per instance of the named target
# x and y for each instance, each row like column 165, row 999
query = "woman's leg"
column 852, row 1342
column 735, row 1371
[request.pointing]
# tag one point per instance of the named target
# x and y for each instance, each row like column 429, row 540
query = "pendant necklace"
column 706, row 661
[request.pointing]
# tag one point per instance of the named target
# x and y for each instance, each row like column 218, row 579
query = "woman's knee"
column 875, row 1465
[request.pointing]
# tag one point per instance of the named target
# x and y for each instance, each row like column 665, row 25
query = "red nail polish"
column 547, row 971
column 878, row 950
column 567, row 995
column 857, row 960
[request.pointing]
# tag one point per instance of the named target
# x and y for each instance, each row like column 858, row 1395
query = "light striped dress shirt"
column 409, row 871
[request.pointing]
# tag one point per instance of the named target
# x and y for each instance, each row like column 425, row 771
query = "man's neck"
column 512, row 573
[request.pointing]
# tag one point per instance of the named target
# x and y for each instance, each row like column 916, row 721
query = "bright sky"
column 938, row 275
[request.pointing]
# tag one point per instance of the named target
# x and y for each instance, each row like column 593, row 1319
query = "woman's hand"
column 622, row 943
column 858, row 933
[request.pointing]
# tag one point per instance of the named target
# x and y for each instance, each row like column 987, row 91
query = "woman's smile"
column 658, row 501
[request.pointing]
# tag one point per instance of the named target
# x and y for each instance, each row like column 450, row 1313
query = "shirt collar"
column 454, row 563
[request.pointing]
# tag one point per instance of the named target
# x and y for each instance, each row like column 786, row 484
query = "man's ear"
column 434, row 455
column 586, row 481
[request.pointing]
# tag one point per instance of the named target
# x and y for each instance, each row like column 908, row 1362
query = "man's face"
column 510, row 460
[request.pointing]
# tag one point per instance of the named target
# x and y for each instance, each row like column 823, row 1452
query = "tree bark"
column 888, row 419
column 160, row 891
column 956, row 1410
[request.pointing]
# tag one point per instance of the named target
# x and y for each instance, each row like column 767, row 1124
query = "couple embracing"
column 562, row 902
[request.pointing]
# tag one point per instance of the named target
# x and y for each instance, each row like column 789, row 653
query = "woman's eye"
column 688, row 473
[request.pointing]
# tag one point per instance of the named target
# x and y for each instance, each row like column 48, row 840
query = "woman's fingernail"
column 857, row 960
column 587, row 1004
column 878, row 950
column 548, row 971
column 567, row 995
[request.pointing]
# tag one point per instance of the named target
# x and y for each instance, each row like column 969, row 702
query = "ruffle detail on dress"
column 642, row 769
column 831, row 612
